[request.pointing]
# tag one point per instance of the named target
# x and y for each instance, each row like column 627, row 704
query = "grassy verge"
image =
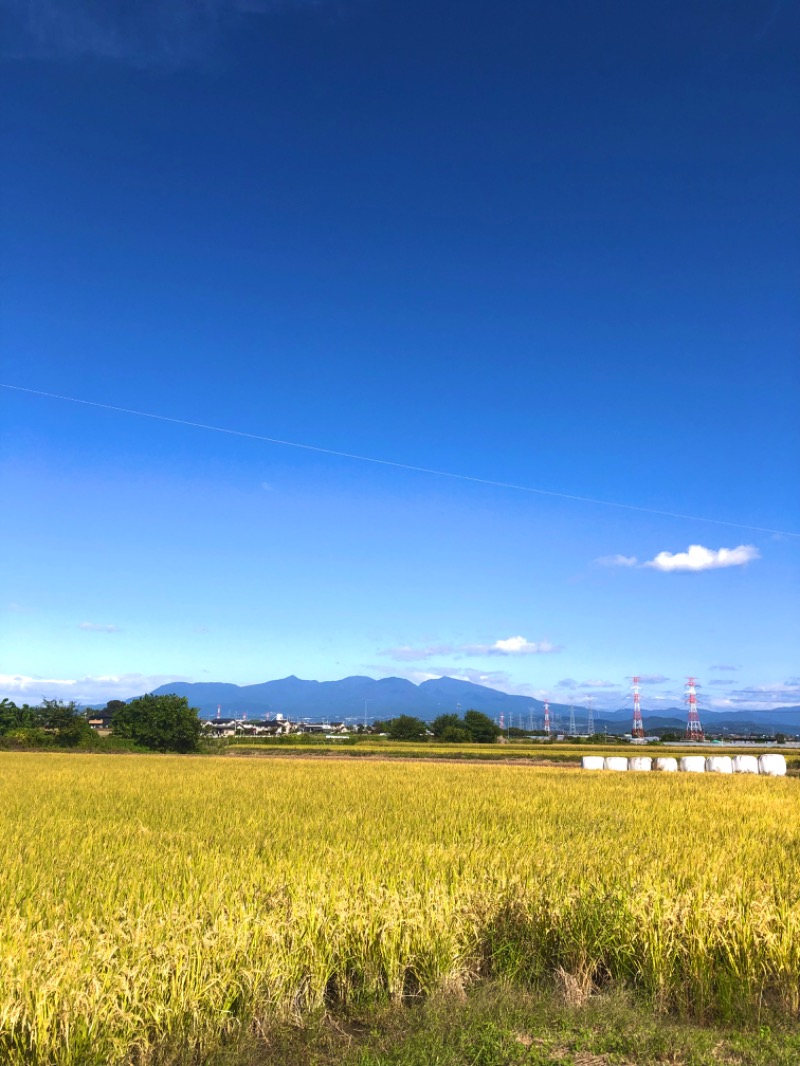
column 500, row 1025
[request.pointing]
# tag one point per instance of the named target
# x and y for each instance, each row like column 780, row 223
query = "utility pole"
column 694, row 730
column 638, row 726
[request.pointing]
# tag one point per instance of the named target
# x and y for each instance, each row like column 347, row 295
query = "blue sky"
column 550, row 245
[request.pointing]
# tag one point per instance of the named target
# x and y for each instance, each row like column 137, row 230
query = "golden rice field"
column 157, row 902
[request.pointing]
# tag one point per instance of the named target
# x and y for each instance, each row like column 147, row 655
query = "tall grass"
column 157, row 902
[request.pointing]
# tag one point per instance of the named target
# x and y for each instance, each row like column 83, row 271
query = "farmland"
column 153, row 906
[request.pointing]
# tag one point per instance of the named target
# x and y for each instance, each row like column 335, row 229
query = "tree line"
column 154, row 723
column 473, row 728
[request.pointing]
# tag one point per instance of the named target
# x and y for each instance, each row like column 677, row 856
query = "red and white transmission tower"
column 638, row 724
column 694, row 731
column 547, row 718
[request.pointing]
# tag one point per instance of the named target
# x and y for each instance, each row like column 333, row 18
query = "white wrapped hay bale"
column 745, row 764
column 640, row 762
column 719, row 764
column 616, row 762
column 773, row 765
column 666, row 763
column 593, row 762
column 693, row 764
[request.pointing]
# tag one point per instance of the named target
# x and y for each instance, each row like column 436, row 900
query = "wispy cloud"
column 570, row 683
column 696, row 557
column 83, row 690
column 507, row 646
column 496, row 679
column 760, row 697
column 406, row 654
column 617, row 560
column 97, row 627
column 653, row 679
column 720, row 667
column 775, row 692
column 145, row 33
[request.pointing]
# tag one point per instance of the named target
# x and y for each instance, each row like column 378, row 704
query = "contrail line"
column 396, row 465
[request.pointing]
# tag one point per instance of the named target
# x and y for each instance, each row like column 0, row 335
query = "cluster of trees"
column 473, row 728
column 157, row 723
column 51, row 721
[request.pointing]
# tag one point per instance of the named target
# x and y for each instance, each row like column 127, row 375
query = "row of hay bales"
column 772, row 765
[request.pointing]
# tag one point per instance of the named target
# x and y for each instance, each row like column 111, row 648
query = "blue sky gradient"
column 551, row 245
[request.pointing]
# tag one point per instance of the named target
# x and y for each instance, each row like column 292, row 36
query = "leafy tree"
column 14, row 717
column 445, row 721
column 455, row 734
column 406, row 728
column 114, row 705
column 481, row 728
column 66, row 722
column 160, row 723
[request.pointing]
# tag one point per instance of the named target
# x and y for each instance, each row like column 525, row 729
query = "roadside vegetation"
column 173, row 910
column 149, row 723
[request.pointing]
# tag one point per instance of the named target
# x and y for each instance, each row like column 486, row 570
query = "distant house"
column 322, row 728
column 220, row 727
column 247, row 727
column 100, row 721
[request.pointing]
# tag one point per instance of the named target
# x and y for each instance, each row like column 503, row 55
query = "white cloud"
column 617, row 560
column 653, row 679
column 718, row 667
column 699, row 558
column 83, row 690
column 97, row 627
column 510, row 646
column 599, row 684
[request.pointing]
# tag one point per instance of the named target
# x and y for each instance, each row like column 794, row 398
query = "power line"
column 396, row 465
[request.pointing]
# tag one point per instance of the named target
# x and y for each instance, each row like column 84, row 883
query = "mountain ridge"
column 357, row 697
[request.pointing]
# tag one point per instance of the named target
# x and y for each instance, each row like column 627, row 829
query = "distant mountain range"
column 354, row 697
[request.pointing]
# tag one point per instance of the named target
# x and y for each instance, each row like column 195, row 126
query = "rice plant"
column 149, row 902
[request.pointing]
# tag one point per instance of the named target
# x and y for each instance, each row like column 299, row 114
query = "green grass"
column 497, row 1024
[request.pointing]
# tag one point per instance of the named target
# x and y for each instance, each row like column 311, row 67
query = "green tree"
column 65, row 722
column 160, row 723
column 13, row 717
column 480, row 727
column 405, row 727
column 445, row 721
column 456, row 734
